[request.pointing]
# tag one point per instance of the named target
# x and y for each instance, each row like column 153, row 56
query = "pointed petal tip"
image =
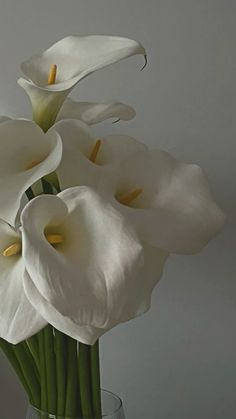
column 116, row 120
column 145, row 62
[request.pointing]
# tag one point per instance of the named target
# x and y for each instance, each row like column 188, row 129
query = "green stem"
column 47, row 187
column 60, row 341
column 71, row 408
column 30, row 359
column 53, row 180
column 9, row 353
column 50, row 369
column 29, row 370
column 32, row 343
column 43, row 380
column 84, row 380
column 95, row 378
column 29, row 193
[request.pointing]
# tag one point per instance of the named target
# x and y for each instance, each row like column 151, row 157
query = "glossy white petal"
column 86, row 276
column 176, row 210
column 85, row 334
column 76, row 57
column 137, row 299
column 95, row 112
column 78, row 143
column 134, row 302
column 23, row 143
column 18, row 318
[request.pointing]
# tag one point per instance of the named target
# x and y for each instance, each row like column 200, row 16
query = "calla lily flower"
column 27, row 154
column 135, row 302
column 167, row 201
column 87, row 277
column 53, row 74
column 94, row 112
column 19, row 320
column 86, row 160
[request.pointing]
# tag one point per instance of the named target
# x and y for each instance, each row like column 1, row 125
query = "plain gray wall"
column 179, row 360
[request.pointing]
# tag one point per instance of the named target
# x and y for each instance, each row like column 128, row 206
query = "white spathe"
column 175, row 211
column 94, row 112
column 78, row 143
column 135, row 302
column 24, row 144
column 85, row 334
column 87, row 278
column 18, row 319
column 76, row 57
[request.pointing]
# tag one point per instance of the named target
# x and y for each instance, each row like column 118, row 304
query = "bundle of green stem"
column 60, row 375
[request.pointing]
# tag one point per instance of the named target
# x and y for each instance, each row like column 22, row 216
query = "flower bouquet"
column 86, row 226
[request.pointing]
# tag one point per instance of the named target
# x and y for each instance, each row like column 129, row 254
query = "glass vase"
column 112, row 408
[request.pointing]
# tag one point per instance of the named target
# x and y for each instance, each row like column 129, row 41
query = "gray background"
column 179, row 360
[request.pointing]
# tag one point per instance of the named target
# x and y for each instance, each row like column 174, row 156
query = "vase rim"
column 53, row 416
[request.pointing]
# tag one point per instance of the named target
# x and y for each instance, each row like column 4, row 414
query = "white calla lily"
column 94, row 112
column 72, row 58
column 19, row 320
column 85, row 334
column 85, row 276
column 135, row 302
column 86, row 160
column 168, row 201
column 138, row 295
column 27, row 154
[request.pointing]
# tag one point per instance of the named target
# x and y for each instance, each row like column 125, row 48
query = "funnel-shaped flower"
column 89, row 278
column 168, row 202
column 94, row 112
column 27, row 154
column 53, row 74
column 86, row 160
column 18, row 319
column 135, row 301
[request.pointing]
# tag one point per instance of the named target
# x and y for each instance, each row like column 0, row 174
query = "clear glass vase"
column 112, row 408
